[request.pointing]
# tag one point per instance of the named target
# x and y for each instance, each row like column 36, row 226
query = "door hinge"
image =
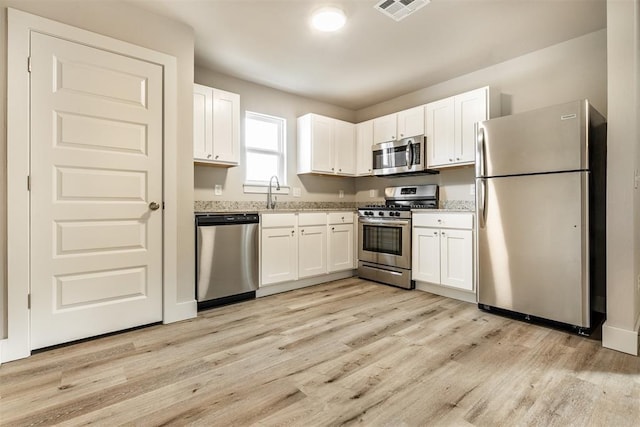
column 28, row 64
column 29, row 301
column 28, row 182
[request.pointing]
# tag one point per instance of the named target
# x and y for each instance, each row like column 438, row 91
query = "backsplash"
column 254, row 206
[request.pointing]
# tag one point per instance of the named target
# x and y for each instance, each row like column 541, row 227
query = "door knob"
column 154, row 206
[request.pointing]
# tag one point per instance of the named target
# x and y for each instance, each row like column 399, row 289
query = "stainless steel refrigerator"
column 540, row 202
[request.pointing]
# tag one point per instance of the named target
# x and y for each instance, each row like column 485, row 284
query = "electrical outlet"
column 341, row 194
column 472, row 189
column 217, row 190
column 296, row 192
column 636, row 179
column 638, row 284
column 372, row 193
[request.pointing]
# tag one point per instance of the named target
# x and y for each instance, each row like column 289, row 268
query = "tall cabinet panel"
column 202, row 122
column 364, row 141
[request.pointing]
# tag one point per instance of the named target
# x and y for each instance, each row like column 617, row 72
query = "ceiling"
column 373, row 58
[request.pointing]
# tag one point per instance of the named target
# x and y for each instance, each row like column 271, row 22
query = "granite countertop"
column 207, row 206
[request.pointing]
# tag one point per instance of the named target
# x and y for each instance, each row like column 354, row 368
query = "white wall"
column 261, row 99
column 129, row 23
column 564, row 72
column 620, row 331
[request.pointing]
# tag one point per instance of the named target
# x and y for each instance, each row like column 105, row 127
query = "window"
column 265, row 148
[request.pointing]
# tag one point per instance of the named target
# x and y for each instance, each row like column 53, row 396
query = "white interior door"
column 96, row 166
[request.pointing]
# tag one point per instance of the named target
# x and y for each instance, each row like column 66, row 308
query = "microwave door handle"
column 409, row 154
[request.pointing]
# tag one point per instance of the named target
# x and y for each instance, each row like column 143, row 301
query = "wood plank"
column 341, row 353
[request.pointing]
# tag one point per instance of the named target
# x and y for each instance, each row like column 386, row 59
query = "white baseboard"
column 298, row 284
column 181, row 311
column 621, row 339
column 446, row 292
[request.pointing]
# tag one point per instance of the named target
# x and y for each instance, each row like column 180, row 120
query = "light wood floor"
column 349, row 352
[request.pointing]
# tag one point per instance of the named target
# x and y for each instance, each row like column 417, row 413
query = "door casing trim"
column 20, row 26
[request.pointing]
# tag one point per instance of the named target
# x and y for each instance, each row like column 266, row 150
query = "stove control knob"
column 396, row 213
column 381, row 213
column 369, row 213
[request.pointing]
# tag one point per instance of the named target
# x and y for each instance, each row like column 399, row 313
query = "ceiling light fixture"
column 328, row 19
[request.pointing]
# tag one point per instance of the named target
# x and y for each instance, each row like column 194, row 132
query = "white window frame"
column 281, row 152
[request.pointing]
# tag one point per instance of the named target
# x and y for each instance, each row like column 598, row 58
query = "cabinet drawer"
column 278, row 220
column 341, row 217
column 312, row 218
column 443, row 220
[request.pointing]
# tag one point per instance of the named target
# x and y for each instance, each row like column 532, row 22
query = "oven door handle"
column 386, row 222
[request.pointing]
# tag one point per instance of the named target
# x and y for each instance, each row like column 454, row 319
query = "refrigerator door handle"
column 480, row 162
column 482, row 197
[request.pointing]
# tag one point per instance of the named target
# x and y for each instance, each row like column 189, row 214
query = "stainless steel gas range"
column 384, row 234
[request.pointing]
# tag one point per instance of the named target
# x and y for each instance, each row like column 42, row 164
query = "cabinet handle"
column 451, row 160
column 293, row 232
column 443, row 233
column 339, row 170
column 217, row 156
column 333, row 229
column 457, row 158
column 435, row 233
column 401, row 135
column 332, row 169
column 302, row 232
column 208, row 156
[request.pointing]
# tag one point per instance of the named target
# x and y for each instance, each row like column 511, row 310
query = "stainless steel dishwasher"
column 226, row 258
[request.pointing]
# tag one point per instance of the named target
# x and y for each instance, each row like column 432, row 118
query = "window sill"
column 264, row 189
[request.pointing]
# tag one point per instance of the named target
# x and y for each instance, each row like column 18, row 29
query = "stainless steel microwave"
column 403, row 156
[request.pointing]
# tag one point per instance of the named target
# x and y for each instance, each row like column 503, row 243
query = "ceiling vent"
column 400, row 9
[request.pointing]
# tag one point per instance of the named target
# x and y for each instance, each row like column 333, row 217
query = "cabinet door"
column 385, row 128
column 279, row 249
column 321, row 144
column 202, row 122
column 426, row 255
column 312, row 250
column 344, row 139
column 456, row 258
column 364, row 141
column 411, row 122
column 340, row 247
column 226, row 127
column 470, row 107
column 440, row 133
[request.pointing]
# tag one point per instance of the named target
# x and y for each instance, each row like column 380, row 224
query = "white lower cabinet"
column 312, row 244
column 442, row 249
column 279, row 249
column 297, row 246
column 341, row 240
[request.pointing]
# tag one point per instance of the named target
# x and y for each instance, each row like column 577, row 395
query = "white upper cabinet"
column 326, row 146
column 216, row 126
column 364, row 141
column 450, row 126
column 399, row 125
column 385, row 128
column 411, row 122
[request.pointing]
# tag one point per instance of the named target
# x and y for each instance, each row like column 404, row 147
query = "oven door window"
column 382, row 239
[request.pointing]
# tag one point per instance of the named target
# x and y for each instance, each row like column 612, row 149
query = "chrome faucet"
column 271, row 200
